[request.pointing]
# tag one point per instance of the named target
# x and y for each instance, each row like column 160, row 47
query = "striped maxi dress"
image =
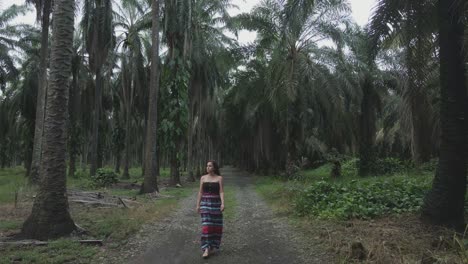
column 211, row 216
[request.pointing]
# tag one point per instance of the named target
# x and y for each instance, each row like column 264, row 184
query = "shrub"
column 385, row 166
column 104, row 177
column 349, row 168
column 361, row 199
column 430, row 166
column 388, row 166
column 81, row 174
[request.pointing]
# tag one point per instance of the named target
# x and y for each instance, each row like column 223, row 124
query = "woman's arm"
column 221, row 192
column 200, row 194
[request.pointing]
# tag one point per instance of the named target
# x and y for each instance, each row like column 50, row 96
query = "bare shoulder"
column 202, row 178
column 220, row 177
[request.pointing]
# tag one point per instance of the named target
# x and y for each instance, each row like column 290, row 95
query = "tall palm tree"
column 150, row 183
column 288, row 33
column 98, row 35
column 411, row 26
column 8, row 41
column 43, row 9
column 176, row 35
column 12, row 37
column 444, row 204
column 76, row 125
column 50, row 217
column 209, row 50
column 25, row 91
column 133, row 21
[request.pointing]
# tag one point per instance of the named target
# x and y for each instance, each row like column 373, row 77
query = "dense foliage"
column 362, row 199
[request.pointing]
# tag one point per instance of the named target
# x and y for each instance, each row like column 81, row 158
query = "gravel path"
column 253, row 235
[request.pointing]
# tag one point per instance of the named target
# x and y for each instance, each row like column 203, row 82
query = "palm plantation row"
column 141, row 83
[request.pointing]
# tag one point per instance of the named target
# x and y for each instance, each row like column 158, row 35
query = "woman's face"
column 209, row 167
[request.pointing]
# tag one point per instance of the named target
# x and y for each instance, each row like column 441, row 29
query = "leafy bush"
column 430, row 166
column 361, row 199
column 386, row 166
column 80, row 174
column 104, row 177
column 349, row 168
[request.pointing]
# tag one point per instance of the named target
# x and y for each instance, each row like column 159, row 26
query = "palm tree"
column 150, row 183
column 410, row 25
column 50, row 217
column 176, row 35
column 76, row 125
column 133, row 19
column 98, row 35
column 13, row 37
column 288, row 33
column 43, row 9
column 8, row 41
column 444, row 204
column 210, row 53
column 25, row 91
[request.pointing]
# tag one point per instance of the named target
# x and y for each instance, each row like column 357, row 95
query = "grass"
column 230, row 203
column 58, row 251
column 83, row 181
column 117, row 224
column 388, row 239
column 12, row 180
column 7, row 225
column 113, row 225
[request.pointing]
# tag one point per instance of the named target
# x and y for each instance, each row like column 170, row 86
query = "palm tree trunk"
column 444, row 204
column 421, row 131
column 175, row 170
column 190, row 176
column 50, row 217
column 415, row 94
column 118, row 158
column 75, row 110
column 41, row 96
column 367, row 129
column 151, row 173
column 96, row 117
column 126, row 174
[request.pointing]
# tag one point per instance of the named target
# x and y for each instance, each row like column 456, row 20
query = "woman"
column 210, row 204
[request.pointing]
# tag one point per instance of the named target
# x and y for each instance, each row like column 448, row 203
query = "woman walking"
column 210, row 204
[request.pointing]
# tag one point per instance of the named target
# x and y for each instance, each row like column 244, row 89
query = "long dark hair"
column 215, row 167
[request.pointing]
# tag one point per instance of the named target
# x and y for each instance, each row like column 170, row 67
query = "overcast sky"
column 361, row 10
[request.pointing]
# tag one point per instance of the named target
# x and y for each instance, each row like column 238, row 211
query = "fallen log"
column 91, row 242
column 121, row 201
column 24, row 243
column 97, row 203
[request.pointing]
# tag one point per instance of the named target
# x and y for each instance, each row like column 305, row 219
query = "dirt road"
column 251, row 235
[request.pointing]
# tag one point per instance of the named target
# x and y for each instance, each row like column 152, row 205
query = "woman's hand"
column 197, row 209
column 222, row 207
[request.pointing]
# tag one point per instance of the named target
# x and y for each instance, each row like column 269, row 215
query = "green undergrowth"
column 12, row 181
column 380, row 212
column 114, row 225
column 361, row 199
column 58, row 251
column 313, row 193
column 117, row 224
column 106, row 176
column 7, row 225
